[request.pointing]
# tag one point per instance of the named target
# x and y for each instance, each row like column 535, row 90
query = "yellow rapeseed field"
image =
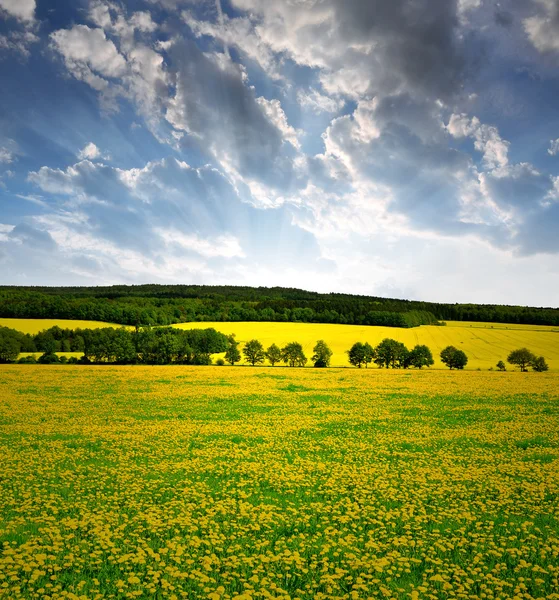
column 33, row 326
column 252, row 483
column 483, row 345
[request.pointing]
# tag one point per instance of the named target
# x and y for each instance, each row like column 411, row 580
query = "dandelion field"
column 205, row 482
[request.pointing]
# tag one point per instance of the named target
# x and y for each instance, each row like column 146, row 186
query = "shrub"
column 539, row 364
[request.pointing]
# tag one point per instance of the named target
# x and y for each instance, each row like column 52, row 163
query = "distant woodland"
column 145, row 305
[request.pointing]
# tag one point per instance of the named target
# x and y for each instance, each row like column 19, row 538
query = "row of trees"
column 161, row 345
column 291, row 354
column 164, row 305
column 168, row 345
column 393, row 354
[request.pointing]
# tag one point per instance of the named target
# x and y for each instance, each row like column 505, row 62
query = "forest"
column 146, row 305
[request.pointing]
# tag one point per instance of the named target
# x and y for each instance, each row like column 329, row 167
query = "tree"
column 454, row 358
column 9, row 348
column 356, row 354
column 421, row 357
column 254, row 352
column 391, row 353
column 293, row 355
column 368, row 354
column 501, row 366
column 522, row 357
column 539, row 364
column 232, row 355
column 322, row 354
column 273, row 354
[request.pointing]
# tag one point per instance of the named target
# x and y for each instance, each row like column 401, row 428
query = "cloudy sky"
column 407, row 148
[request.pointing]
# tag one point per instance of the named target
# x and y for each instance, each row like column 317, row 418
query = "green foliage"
column 539, row 364
column 322, row 354
column 9, row 348
column 220, row 362
column 273, row 354
column 369, row 354
column 27, row 360
column 501, row 366
column 292, row 354
column 522, row 357
column 48, row 358
column 391, row 353
column 164, row 305
column 420, row 357
column 356, row 354
column 254, row 352
column 454, row 358
column 233, row 355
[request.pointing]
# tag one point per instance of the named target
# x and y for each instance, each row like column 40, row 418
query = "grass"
column 219, row 483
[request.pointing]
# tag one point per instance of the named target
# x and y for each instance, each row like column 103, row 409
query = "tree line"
column 165, row 305
column 151, row 346
column 169, row 345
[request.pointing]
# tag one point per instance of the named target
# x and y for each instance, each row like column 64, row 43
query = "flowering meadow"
column 249, row 483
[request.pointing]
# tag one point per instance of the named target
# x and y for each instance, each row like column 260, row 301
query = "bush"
column 220, row 362
column 73, row 360
column 48, row 358
column 27, row 360
column 501, row 366
column 539, row 364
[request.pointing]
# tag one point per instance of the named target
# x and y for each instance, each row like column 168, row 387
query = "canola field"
column 33, row 326
column 221, row 483
column 484, row 343
column 485, row 346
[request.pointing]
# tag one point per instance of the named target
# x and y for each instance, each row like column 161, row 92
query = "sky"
column 404, row 149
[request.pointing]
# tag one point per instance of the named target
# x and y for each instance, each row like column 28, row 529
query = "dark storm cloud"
column 414, row 38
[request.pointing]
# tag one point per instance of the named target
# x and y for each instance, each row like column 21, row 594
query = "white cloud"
column 240, row 33
column 553, row 147
column 487, row 139
column 543, row 29
column 273, row 110
column 225, row 246
column 18, row 41
column 86, row 48
column 90, row 152
column 6, row 156
column 318, row 102
column 4, row 230
column 24, row 10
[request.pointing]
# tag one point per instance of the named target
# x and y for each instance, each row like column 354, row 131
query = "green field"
column 205, row 482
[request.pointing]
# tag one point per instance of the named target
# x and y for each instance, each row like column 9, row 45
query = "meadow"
column 220, row 483
column 484, row 343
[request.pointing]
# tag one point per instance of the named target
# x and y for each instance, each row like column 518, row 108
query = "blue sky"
column 406, row 149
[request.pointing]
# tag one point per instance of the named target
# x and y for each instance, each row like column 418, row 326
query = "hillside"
column 484, row 343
